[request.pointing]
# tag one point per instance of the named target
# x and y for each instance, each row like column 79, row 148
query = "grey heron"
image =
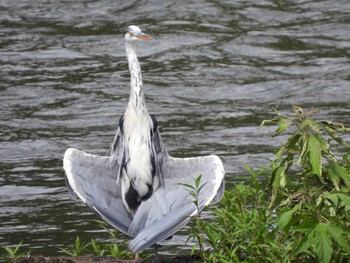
column 138, row 188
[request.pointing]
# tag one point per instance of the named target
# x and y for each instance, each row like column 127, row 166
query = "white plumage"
column 139, row 188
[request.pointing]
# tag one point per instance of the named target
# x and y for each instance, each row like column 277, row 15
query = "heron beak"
column 143, row 36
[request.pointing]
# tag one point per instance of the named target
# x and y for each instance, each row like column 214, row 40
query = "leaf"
column 77, row 242
column 314, row 148
column 345, row 198
column 282, row 177
column 339, row 235
column 192, row 193
column 303, row 245
column 332, row 125
column 188, row 186
column 67, row 252
column 332, row 128
column 333, row 197
column 292, row 141
column 269, row 122
column 200, row 188
column 250, row 171
column 287, row 216
column 324, row 249
column 198, row 181
column 283, row 123
column 278, row 178
column 307, row 226
column 310, row 123
column 304, row 149
column 339, row 171
column 10, row 251
column 275, row 199
column 333, row 177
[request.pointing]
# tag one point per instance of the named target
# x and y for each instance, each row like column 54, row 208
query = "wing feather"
column 152, row 224
column 94, row 180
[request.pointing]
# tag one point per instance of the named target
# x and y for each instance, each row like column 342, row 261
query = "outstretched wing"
column 171, row 206
column 94, row 179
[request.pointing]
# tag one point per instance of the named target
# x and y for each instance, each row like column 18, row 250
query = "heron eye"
column 131, row 34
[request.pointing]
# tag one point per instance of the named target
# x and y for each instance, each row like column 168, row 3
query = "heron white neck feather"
column 138, row 125
column 136, row 115
column 136, row 92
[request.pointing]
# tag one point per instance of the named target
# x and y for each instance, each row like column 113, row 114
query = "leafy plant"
column 241, row 230
column 15, row 253
column 79, row 248
column 97, row 248
column 197, row 228
column 112, row 249
column 303, row 213
column 310, row 188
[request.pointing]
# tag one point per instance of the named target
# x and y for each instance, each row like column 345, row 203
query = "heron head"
column 134, row 33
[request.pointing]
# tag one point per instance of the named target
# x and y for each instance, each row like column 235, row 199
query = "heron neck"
column 136, row 92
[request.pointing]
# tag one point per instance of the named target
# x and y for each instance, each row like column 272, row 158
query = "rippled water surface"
column 210, row 74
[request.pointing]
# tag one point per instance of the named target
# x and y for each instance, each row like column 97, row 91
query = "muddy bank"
column 90, row 259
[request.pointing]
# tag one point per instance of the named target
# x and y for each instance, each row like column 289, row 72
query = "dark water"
column 210, row 74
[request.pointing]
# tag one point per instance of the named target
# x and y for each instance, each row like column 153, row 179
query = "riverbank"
column 90, row 259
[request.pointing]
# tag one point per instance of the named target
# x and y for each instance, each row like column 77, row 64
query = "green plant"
column 79, row 248
column 197, row 227
column 310, row 188
column 303, row 213
column 97, row 248
column 15, row 253
column 107, row 228
column 112, row 249
column 241, row 231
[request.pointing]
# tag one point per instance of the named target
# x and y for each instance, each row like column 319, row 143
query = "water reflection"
column 210, row 74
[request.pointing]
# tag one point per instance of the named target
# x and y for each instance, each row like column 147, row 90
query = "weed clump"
column 303, row 213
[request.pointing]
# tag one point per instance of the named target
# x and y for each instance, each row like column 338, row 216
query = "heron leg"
column 156, row 255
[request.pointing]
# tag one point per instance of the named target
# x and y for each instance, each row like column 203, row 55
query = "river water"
column 210, row 73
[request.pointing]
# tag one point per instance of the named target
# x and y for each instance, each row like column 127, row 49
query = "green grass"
column 101, row 249
column 15, row 252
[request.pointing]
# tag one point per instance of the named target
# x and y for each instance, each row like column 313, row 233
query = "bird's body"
column 139, row 188
column 138, row 177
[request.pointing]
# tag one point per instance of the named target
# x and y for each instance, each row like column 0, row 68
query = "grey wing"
column 94, row 179
column 210, row 168
column 171, row 206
